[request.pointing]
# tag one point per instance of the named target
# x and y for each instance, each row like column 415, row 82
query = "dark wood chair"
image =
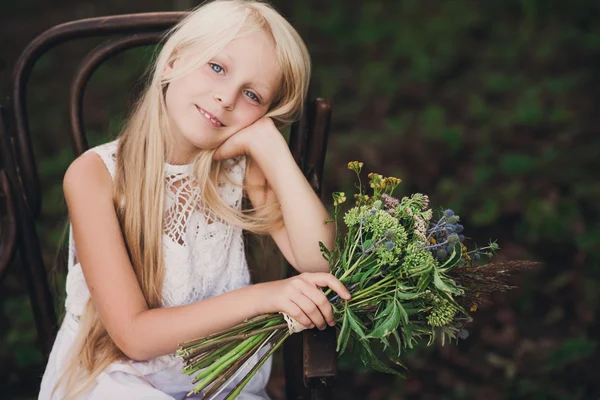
column 309, row 358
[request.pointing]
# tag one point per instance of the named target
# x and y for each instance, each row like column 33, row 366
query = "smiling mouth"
column 211, row 119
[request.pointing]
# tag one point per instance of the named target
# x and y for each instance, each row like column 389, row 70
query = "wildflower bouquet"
column 411, row 276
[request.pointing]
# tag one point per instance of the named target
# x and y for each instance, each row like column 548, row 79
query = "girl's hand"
column 243, row 141
column 302, row 299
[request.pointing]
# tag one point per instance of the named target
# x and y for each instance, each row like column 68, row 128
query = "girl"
column 157, row 256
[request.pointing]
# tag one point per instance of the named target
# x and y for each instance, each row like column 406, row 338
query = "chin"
column 204, row 146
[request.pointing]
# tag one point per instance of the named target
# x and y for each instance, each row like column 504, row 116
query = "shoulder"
column 88, row 174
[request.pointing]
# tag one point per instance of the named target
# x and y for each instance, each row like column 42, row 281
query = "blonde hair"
column 144, row 147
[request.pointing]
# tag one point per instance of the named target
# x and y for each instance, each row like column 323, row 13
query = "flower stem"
column 243, row 336
column 349, row 271
column 244, row 325
column 218, row 340
column 222, row 380
column 238, row 388
column 205, row 359
column 209, row 374
column 373, row 288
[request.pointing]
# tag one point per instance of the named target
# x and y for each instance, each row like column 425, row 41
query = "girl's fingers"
column 296, row 312
column 320, row 300
column 310, row 309
column 325, row 279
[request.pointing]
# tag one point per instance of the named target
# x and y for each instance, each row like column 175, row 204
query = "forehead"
column 253, row 58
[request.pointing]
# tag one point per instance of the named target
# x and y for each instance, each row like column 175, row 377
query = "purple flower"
column 390, row 202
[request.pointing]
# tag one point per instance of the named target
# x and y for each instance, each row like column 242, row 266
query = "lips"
column 210, row 118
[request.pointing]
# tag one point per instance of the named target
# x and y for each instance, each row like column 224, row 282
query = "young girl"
column 157, row 256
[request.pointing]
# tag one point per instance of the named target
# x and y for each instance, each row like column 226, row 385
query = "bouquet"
column 412, row 278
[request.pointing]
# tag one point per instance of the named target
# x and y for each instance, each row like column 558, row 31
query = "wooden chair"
column 310, row 359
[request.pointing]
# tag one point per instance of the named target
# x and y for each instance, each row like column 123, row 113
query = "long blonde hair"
column 144, row 147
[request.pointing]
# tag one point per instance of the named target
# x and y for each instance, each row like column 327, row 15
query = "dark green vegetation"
column 488, row 107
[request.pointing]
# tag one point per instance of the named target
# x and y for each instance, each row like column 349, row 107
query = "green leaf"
column 440, row 284
column 406, row 296
column 325, row 251
column 399, row 341
column 403, row 313
column 355, row 324
column 386, row 343
column 388, row 325
column 454, row 258
column 369, row 358
column 424, row 282
column 367, row 275
column 387, row 311
column 420, row 272
column 342, row 342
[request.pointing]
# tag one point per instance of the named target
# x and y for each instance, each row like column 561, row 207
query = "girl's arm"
column 303, row 212
column 143, row 333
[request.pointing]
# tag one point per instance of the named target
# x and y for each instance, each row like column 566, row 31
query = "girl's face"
column 230, row 92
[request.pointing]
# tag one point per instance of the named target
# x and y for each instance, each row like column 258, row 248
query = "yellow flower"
column 338, row 198
column 391, row 182
column 473, row 308
column 361, row 198
column 376, row 181
column 355, row 166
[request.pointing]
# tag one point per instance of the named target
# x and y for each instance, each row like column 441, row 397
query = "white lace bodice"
column 204, row 256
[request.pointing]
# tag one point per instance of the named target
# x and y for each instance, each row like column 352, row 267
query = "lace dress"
column 204, row 257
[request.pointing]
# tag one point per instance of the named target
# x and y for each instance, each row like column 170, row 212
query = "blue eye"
column 216, row 67
column 251, row 95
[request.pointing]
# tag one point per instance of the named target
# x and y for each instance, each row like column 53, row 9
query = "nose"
column 225, row 101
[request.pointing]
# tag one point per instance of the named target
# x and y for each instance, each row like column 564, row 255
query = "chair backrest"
column 8, row 214
column 20, row 198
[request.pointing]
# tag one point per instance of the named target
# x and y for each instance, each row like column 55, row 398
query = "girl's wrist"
column 265, row 143
column 260, row 296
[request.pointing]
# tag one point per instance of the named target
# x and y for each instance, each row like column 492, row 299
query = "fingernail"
column 311, row 326
column 332, row 323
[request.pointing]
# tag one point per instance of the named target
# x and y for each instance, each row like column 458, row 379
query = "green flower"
column 417, row 202
column 442, row 313
column 387, row 255
column 426, row 215
column 355, row 215
column 379, row 223
column 417, row 258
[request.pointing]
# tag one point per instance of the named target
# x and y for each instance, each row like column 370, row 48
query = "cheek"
column 171, row 97
column 250, row 113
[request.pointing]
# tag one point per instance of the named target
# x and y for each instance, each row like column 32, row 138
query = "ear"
column 170, row 67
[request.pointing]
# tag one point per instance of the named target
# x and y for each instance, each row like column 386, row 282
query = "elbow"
column 136, row 351
column 132, row 345
column 314, row 265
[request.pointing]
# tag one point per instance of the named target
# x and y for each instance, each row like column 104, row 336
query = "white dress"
column 203, row 258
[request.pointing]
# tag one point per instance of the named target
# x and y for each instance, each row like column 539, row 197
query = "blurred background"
column 488, row 107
